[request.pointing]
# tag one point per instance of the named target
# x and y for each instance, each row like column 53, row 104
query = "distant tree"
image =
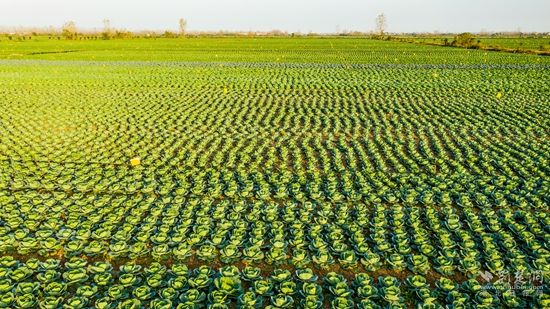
column 123, row 34
column 381, row 24
column 183, row 26
column 465, row 39
column 107, row 30
column 169, row 34
column 69, row 30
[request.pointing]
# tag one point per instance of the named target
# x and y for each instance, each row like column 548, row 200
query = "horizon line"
column 52, row 30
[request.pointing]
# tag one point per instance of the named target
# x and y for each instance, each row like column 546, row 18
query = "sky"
column 320, row 16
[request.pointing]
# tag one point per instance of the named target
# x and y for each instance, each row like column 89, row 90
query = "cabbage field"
column 272, row 173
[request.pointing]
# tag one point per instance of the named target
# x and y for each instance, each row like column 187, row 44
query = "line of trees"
column 69, row 31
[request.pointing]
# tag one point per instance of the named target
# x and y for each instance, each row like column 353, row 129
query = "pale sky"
column 289, row 15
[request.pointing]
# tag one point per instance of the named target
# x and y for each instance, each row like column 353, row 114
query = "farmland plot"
column 367, row 173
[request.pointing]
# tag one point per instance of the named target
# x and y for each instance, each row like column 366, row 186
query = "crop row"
column 439, row 237
column 76, row 283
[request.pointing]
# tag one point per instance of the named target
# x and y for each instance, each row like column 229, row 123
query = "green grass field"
column 520, row 43
column 329, row 50
column 280, row 172
column 523, row 43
